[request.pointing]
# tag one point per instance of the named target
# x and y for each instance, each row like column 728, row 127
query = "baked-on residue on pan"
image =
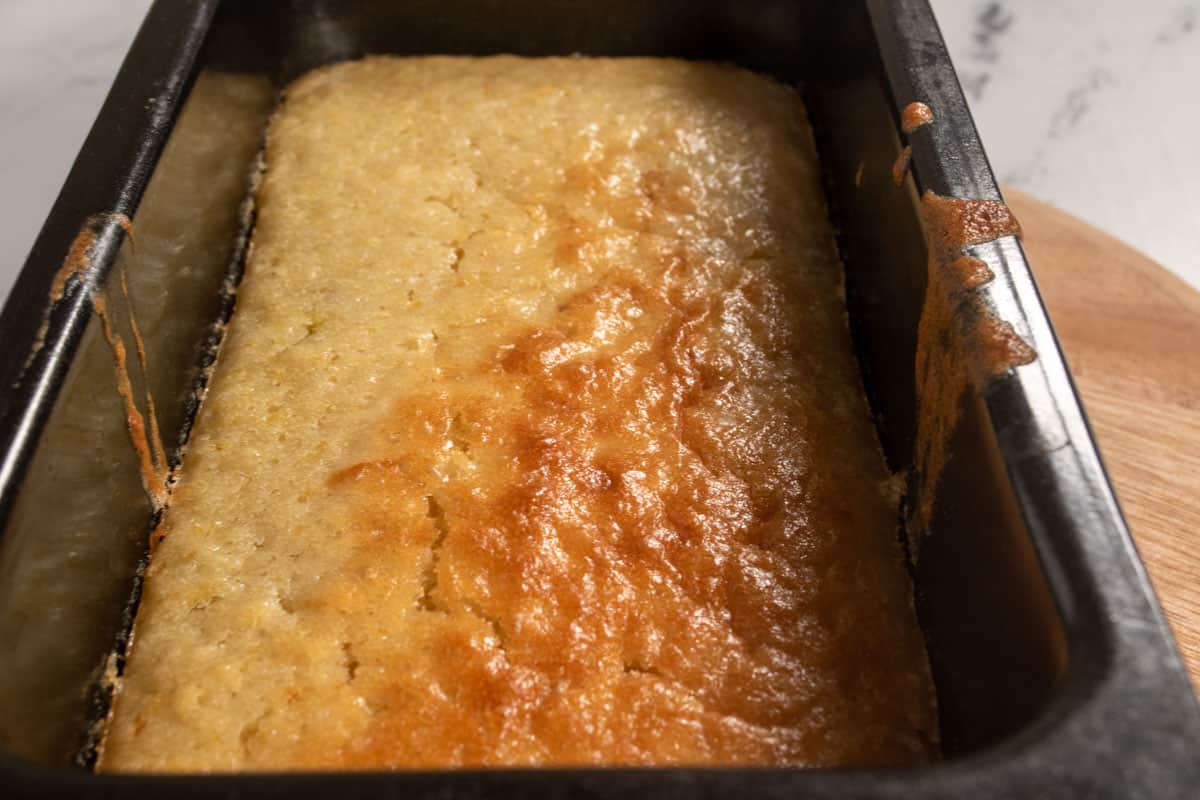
column 959, row 339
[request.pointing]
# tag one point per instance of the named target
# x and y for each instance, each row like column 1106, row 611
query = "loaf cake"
column 537, row 438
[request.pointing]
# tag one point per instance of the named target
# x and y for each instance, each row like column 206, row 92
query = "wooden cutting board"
column 1131, row 332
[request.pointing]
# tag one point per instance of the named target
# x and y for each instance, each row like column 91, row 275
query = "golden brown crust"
column 580, row 467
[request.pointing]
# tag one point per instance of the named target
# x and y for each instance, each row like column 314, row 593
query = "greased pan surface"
column 1056, row 675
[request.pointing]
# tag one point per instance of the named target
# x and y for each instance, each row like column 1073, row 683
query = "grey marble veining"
column 1092, row 105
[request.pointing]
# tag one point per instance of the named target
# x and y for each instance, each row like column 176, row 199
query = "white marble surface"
column 1093, row 105
column 1090, row 104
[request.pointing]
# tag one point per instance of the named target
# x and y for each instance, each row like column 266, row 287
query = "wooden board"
column 1131, row 332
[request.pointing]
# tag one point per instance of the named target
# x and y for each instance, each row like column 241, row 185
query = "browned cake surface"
column 537, row 439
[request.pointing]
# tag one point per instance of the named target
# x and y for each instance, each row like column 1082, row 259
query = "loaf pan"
column 1055, row 672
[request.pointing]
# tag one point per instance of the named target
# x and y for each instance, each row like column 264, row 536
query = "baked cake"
column 537, row 438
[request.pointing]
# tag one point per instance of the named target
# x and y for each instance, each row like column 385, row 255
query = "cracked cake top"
column 537, row 438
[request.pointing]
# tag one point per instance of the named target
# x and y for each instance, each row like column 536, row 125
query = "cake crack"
column 350, row 661
column 429, row 583
column 491, row 621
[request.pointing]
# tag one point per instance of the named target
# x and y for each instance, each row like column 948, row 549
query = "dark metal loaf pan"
column 1056, row 674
